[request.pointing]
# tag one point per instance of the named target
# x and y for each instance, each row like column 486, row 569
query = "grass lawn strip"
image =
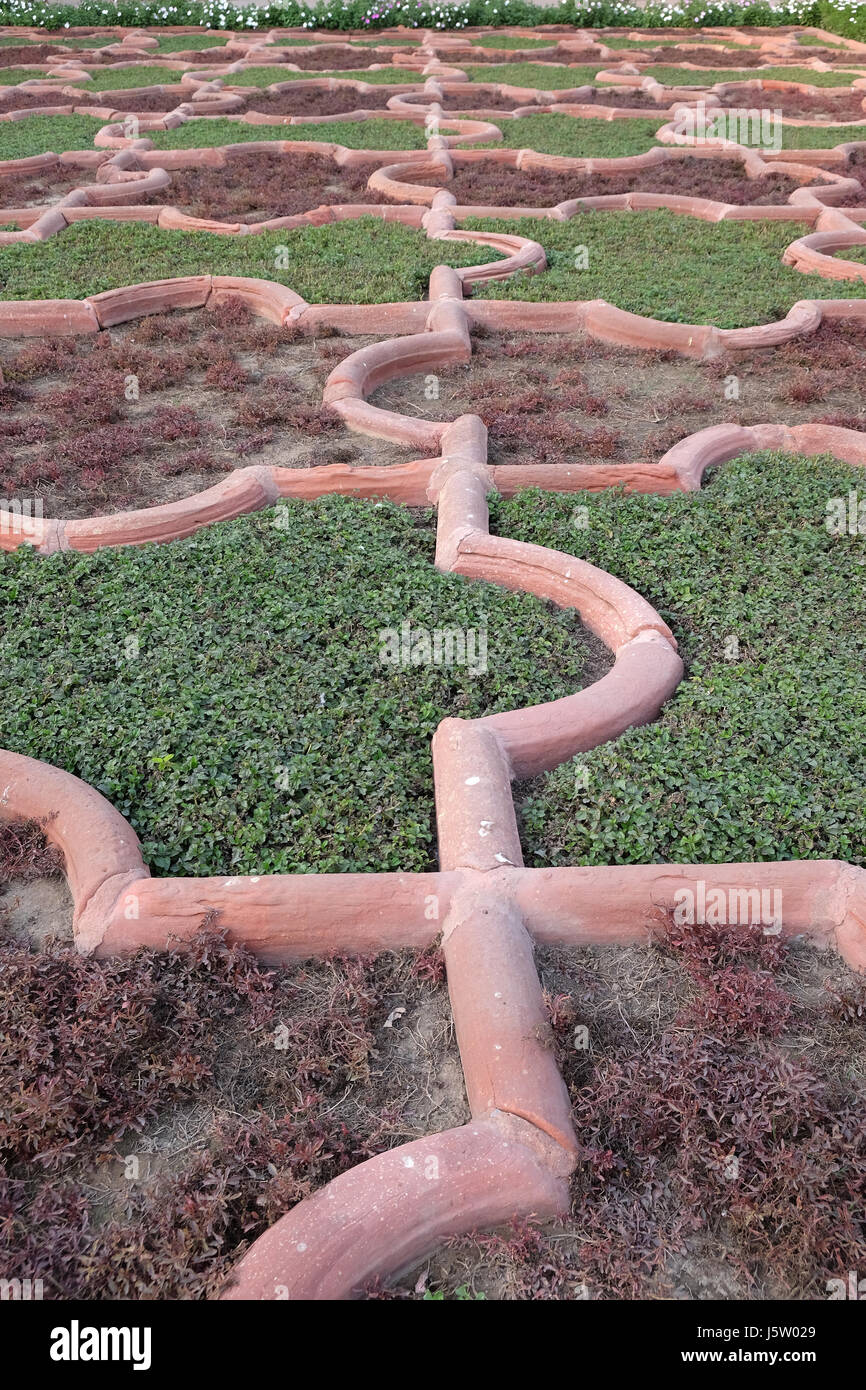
column 668, row 267
column 761, row 752
column 277, row 741
column 578, row 137
column 37, row 134
column 372, row 134
column 343, row 262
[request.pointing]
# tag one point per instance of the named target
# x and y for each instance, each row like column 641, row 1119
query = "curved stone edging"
column 394, row 1208
column 515, row 1155
column 100, row 849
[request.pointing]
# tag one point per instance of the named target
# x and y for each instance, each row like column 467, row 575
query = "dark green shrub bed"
column 761, row 753
column 226, row 692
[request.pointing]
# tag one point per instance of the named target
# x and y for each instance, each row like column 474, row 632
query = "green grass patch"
column 180, row 43
column 257, row 729
column 10, row 77
column 547, row 77
column 264, row 77
column 139, row 75
column 821, row 137
column 616, row 43
column 355, row 135
column 39, row 134
column 852, row 253
column 707, row 77
column 761, row 752
column 578, row 136
column 367, row 261
column 668, row 267
column 389, row 41
column 514, row 41
column 812, row 41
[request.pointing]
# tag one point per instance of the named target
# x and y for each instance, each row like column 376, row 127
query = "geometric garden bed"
column 389, row 609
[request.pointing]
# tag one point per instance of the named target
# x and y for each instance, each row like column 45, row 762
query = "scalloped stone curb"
column 515, row 1155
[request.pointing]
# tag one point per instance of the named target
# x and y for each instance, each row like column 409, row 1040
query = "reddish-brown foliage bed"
column 799, row 105
column 25, row 853
column 24, row 55
column 159, row 409
column 29, row 190
column 262, row 186
column 713, row 58
column 157, row 102
column 17, row 99
column 498, row 185
column 567, row 399
column 162, row 1111
column 305, row 101
column 622, row 96
column 477, row 97
column 722, row 1138
column 323, row 59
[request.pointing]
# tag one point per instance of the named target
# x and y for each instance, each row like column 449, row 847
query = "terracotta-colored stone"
column 502, row 1026
column 281, row 917
column 135, row 301
column 822, row 900
column 245, row 490
column 474, row 810
column 101, row 852
column 394, row 1208
column 613, row 611
column 514, row 1158
column 36, row 317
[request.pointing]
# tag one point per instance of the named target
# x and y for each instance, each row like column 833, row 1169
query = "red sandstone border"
column 516, row 1153
column 805, row 202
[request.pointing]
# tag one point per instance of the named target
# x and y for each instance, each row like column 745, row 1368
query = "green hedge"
column 841, row 16
column 761, row 752
column 226, row 692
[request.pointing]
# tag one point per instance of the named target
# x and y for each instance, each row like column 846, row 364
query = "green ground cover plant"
column 10, row 77
column 373, row 134
column 343, row 262
column 759, row 755
column 513, row 41
column 68, row 41
column 39, row 134
column 668, row 267
column 821, row 137
column 179, row 43
column 707, row 77
column 263, row 77
column 138, row 75
column 615, row 42
column 547, row 77
column 579, row 138
column 256, row 730
column 812, row 41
